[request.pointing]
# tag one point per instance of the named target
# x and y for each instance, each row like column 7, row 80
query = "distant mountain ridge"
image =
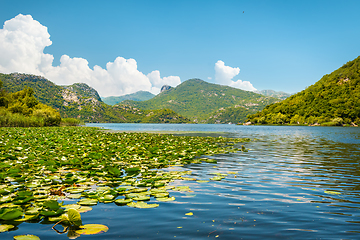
column 200, row 101
column 138, row 96
column 276, row 94
column 83, row 102
column 333, row 100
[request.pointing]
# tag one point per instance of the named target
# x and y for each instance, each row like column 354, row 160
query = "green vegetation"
column 22, row 109
column 229, row 115
column 332, row 101
column 198, row 100
column 91, row 167
column 138, row 96
column 79, row 101
column 71, row 122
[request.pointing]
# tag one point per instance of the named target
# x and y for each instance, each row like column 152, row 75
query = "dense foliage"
column 82, row 102
column 138, row 96
column 198, row 100
column 90, row 166
column 22, row 109
column 333, row 100
column 229, row 115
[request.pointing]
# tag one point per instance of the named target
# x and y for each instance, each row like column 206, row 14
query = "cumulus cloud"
column 224, row 75
column 22, row 43
column 157, row 82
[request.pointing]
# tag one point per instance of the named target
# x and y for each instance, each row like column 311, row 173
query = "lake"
column 293, row 183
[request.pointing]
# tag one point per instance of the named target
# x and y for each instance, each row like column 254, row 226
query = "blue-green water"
column 293, row 183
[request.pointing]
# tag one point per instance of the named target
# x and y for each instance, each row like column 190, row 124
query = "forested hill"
column 83, row 102
column 201, row 101
column 333, row 100
column 138, row 96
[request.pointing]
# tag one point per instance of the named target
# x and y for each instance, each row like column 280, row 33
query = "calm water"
column 294, row 183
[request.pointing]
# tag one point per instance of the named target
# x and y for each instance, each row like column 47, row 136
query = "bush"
column 71, row 122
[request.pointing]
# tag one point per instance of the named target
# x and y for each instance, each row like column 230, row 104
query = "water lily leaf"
column 165, row 199
column 74, row 217
column 49, row 213
column 142, row 198
column 182, row 188
column 52, row 204
column 26, row 237
column 74, row 196
column 217, row 178
column 5, row 227
column 32, row 211
column 142, row 205
column 88, row 202
column 84, row 209
column 90, row 229
column 332, row 192
column 10, row 214
column 122, row 202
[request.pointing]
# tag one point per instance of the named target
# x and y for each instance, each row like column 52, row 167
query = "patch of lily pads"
column 42, row 167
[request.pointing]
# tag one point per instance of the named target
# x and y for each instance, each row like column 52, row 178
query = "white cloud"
column 22, row 43
column 225, row 74
column 157, row 82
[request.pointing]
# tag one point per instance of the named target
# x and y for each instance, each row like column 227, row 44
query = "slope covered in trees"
column 199, row 100
column 22, row 109
column 138, row 96
column 83, row 102
column 333, row 100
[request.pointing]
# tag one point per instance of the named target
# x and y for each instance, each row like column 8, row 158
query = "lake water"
column 293, row 183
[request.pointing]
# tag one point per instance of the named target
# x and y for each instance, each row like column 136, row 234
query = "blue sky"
column 279, row 45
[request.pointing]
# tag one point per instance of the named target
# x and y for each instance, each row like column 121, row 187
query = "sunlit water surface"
column 293, row 183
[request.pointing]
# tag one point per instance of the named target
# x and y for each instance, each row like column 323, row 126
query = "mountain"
column 199, row 100
column 83, row 102
column 271, row 93
column 138, row 96
column 333, row 100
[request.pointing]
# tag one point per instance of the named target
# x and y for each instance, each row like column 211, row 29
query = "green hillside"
column 138, row 96
column 198, row 100
column 83, row 102
column 333, row 100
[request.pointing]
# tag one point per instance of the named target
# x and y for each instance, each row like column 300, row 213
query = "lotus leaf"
column 74, row 217
column 5, row 227
column 90, row 229
column 142, row 205
column 26, row 237
column 123, row 201
column 165, row 199
column 182, row 188
column 142, row 198
column 84, row 209
column 88, row 202
column 10, row 214
column 52, row 204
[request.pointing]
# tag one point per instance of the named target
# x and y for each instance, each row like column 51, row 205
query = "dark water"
column 294, row 183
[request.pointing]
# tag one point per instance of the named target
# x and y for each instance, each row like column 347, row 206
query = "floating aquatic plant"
column 40, row 167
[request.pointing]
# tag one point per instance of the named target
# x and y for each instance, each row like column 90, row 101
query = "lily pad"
column 91, row 229
column 122, row 202
column 26, row 237
column 10, row 214
column 165, row 199
column 88, row 202
column 5, row 227
column 142, row 205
